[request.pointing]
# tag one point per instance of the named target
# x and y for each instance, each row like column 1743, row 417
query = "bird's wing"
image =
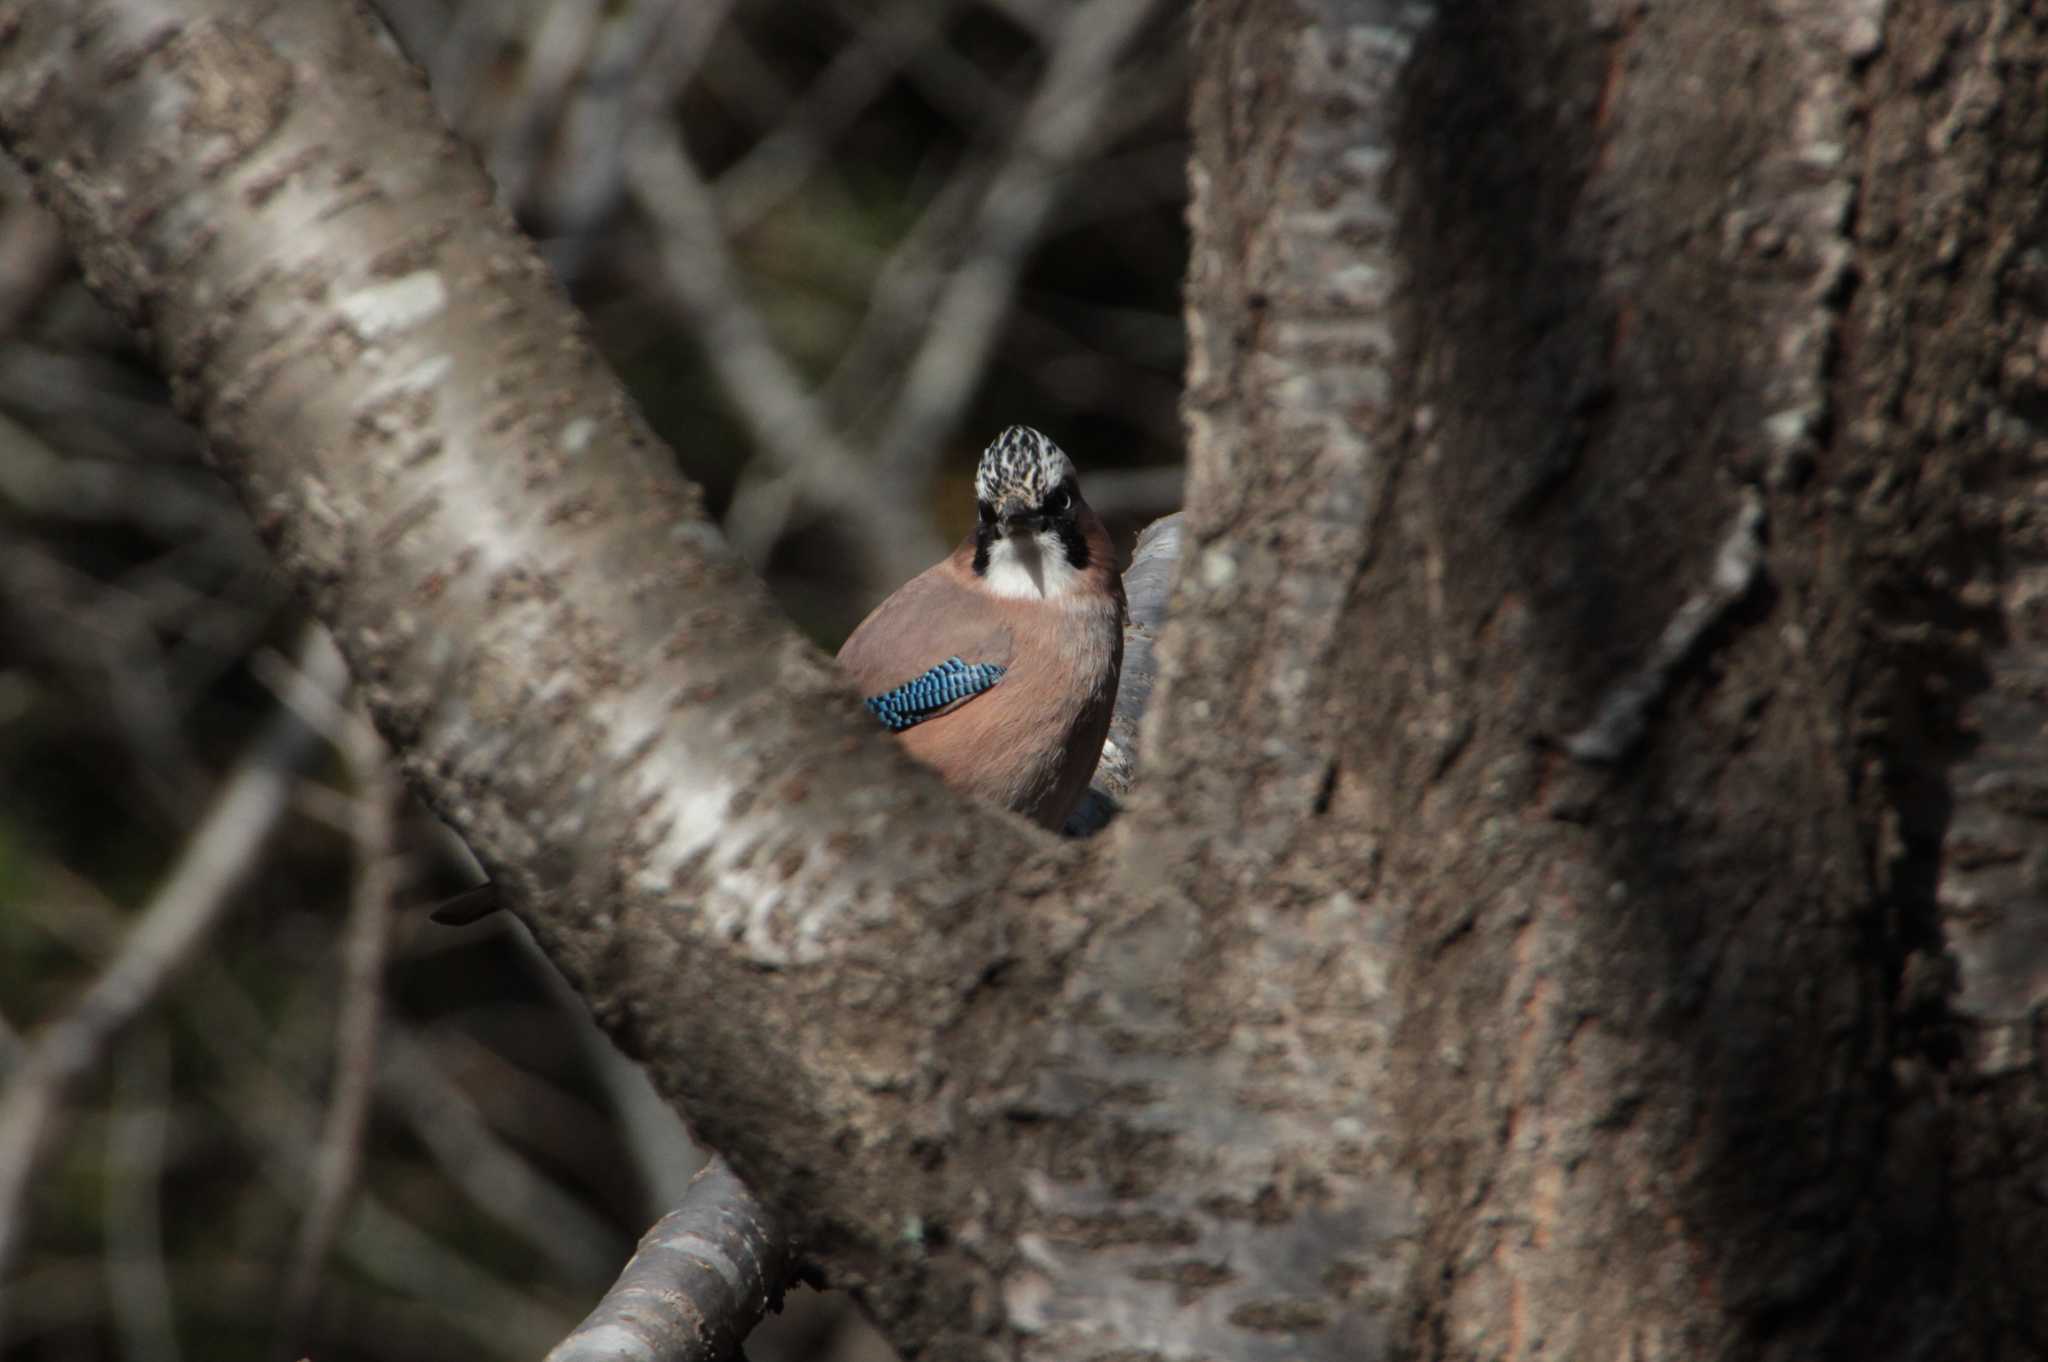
column 928, row 649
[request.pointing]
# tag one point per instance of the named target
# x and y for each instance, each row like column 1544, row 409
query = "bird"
column 997, row 666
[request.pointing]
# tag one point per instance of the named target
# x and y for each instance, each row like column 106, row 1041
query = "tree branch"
column 1058, row 126
column 954, row 1053
column 364, row 947
column 680, row 795
column 699, row 1283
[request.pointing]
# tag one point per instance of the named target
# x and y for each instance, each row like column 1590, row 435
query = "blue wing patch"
column 915, row 701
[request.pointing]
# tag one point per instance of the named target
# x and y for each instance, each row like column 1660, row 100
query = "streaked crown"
column 1020, row 466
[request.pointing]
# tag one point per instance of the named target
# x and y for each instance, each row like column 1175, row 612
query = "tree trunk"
column 1690, row 672
column 1579, row 897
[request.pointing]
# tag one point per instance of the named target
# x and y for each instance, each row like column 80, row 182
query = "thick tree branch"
column 1047, row 1100
column 680, row 794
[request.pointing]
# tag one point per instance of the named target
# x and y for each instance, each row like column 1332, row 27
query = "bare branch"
column 364, row 946
column 220, row 855
column 702, row 1278
column 775, row 167
column 1058, row 128
column 786, row 423
column 267, row 1104
column 499, row 1181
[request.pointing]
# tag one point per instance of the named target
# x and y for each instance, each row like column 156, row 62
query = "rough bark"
column 1550, row 362
column 1681, row 1067
column 761, row 897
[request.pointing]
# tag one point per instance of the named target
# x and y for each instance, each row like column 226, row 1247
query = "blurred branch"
column 775, row 167
column 665, row 1156
column 906, row 294
column 786, row 423
column 220, row 855
column 809, row 464
column 269, row 1110
column 264, row 1102
column 99, row 406
column 171, row 501
column 497, row 1180
column 643, row 54
column 1059, row 127
column 700, row 1281
column 138, row 1285
column 956, row 86
column 364, row 946
column 550, row 93
column 65, row 1294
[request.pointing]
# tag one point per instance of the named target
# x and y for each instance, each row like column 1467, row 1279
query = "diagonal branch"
column 1059, row 126
column 785, row 421
column 763, row 898
column 774, row 168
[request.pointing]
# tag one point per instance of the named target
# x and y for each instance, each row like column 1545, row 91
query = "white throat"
column 1030, row 567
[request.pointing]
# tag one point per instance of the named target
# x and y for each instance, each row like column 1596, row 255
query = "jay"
column 998, row 665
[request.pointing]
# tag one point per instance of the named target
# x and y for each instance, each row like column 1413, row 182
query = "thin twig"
column 1058, row 128
column 775, row 167
column 264, row 1098
column 784, row 419
column 221, row 854
column 497, row 1180
column 364, row 945
column 666, row 1157
column 269, row 1108
column 138, row 1285
column 643, row 54
column 700, row 1281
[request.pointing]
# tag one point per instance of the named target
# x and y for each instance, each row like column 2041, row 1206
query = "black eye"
column 1057, row 501
column 988, row 514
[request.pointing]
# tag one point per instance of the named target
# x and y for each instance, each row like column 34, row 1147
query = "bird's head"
column 1030, row 540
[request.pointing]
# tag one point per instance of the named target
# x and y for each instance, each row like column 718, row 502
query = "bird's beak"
column 1018, row 518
